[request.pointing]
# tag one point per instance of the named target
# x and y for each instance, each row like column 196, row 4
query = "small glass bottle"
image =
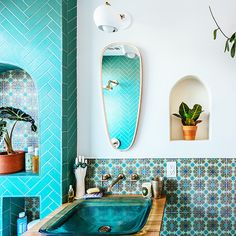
column 71, row 194
column 28, row 158
column 35, row 161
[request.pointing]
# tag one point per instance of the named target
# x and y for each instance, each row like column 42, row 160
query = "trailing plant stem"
column 8, row 144
column 218, row 27
column 8, row 140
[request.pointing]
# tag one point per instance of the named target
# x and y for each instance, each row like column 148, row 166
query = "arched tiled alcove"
column 17, row 89
column 190, row 90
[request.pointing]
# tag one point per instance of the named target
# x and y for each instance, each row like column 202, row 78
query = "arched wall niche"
column 191, row 90
column 17, row 89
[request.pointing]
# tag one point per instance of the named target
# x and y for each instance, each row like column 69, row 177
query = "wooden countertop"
column 152, row 227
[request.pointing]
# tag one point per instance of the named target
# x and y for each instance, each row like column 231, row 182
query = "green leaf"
column 215, row 33
column 198, row 121
column 227, row 45
column 177, row 115
column 232, row 51
column 195, row 112
column 232, row 38
column 12, row 113
column 183, row 110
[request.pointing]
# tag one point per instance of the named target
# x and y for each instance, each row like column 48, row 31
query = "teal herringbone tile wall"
column 69, row 94
column 32, row 38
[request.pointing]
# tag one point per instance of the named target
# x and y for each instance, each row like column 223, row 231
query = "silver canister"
column 157, row 186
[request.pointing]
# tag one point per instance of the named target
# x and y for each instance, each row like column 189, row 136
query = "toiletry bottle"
column 21, row 224
column 147, row 189
column 35, row 161
column 28, row 159
column 71, row 194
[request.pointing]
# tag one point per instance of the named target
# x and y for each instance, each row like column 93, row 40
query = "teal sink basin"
column 105, row 216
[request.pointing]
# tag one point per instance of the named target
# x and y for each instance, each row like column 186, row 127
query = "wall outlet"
column 171, row 169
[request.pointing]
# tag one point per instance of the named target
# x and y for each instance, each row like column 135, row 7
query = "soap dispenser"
column 71, row 194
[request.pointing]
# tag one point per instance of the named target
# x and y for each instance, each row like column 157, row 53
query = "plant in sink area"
column 190, row 119
column 12, row 161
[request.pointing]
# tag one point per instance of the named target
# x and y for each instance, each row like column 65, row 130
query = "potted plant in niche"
column 12, row 161
column 190, row 119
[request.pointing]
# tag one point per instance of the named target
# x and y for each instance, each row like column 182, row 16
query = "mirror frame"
column 140, row 94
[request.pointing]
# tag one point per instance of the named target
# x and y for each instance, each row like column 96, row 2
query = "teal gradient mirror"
column 121, row 90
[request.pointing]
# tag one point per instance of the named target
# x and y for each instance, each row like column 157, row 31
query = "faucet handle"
column 106, row 177
column 134, row 177
column 121, row 176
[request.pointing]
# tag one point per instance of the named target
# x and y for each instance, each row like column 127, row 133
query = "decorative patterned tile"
column 17, row 89
column 200, row 201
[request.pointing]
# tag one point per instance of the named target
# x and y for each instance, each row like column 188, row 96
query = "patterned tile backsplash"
column 200, row 201
column 17, row 89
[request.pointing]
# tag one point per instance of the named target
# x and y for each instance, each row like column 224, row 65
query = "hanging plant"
column 230, row 44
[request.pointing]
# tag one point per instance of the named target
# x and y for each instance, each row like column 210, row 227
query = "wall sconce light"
column 109, row 20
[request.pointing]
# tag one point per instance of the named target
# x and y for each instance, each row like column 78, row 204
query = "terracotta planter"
column 189, row 132
column 12, row 163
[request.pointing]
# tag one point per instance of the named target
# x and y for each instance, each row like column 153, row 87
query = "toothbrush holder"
column 80, row 173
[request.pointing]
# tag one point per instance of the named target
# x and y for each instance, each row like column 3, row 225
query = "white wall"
column 175, row 40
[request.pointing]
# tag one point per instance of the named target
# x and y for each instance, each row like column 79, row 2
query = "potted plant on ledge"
column 189, row 118
column 12, row 161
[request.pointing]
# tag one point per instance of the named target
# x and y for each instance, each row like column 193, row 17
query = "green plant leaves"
column 195, row 112
column 183, row 110
column 215, row 33
column 189, row 116
column 12, row 113
column 227, row 45
column 177, row 115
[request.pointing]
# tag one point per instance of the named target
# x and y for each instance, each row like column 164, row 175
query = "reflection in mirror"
column 121, row 89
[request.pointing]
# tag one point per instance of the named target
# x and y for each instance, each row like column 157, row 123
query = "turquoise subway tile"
column 56, row 16
column 16, row 36
column 55, row 5
column 54, row 60
column 16, row 8
column 17, row 23
column 55, row 174
column 37, row 6
column 39, row 38
column 37, row 22
column 13, row 188
column 55, row 28
column 56, row 196
column 6, row 231
column 45, row 191
column 72, row 14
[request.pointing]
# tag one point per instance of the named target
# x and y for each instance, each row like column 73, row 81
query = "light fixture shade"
column 107, row 19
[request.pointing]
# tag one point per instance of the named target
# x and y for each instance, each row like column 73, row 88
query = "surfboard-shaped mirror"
column 121, row 89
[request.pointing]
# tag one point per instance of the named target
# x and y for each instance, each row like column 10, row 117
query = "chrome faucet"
column 119, row 177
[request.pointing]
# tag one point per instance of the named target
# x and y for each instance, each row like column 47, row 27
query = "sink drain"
column 104, row 229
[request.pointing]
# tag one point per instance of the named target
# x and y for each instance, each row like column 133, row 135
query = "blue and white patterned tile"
column 200, row 201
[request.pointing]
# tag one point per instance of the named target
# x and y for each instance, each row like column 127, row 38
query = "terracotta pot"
column 189, row 132
column 12, row 163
